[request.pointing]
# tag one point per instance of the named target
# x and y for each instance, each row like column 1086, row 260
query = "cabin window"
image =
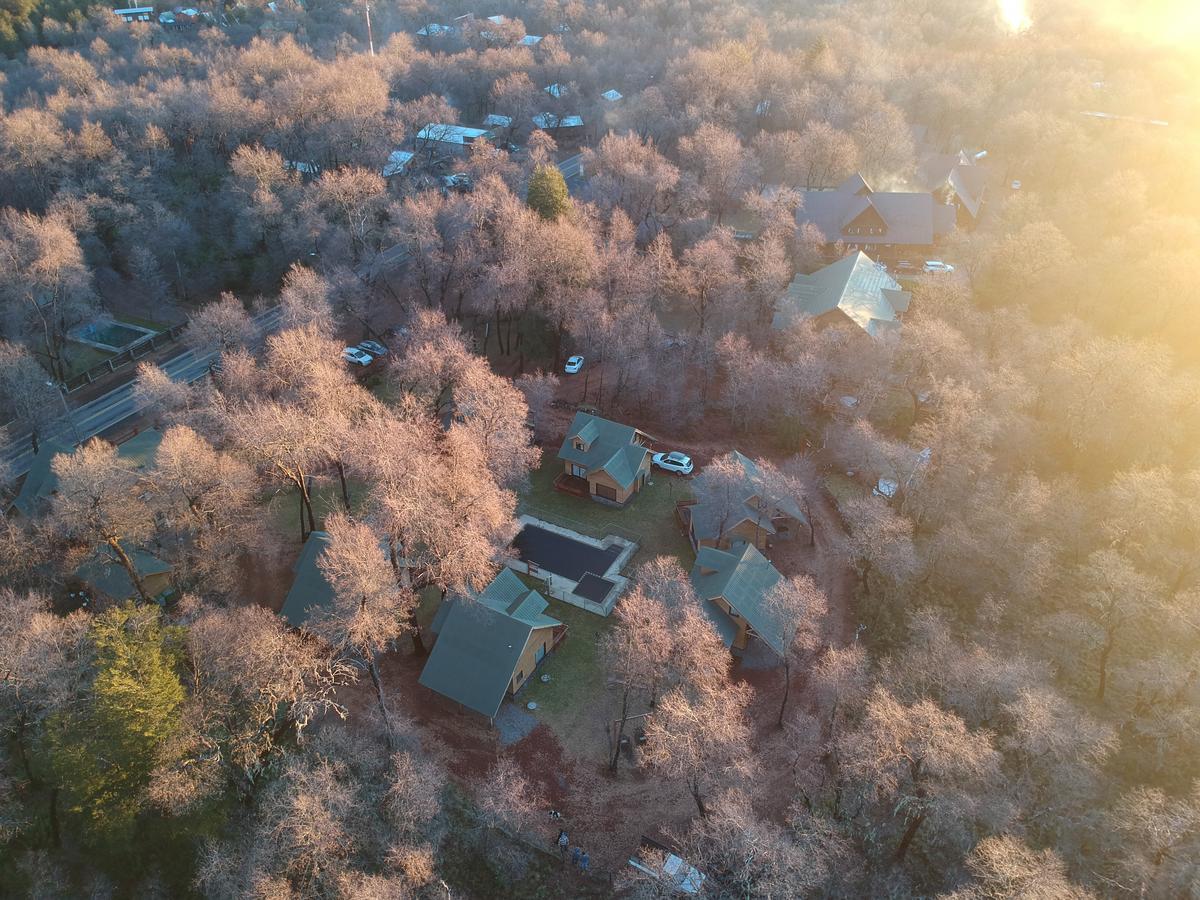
column 578, row 444
column 578, row 471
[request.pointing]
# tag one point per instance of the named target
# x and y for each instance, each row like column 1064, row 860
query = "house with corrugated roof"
column 890, row 225
column 853, row 291
column 489, row 645
column 733, row 587
column 608, row 461
column 749, row 517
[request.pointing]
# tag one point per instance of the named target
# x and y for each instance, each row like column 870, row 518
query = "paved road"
column 102, row 413
column 115, row 406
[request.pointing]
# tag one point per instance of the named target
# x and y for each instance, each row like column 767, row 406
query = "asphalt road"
column 109, row 409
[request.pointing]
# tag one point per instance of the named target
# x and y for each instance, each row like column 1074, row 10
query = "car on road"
column 356, row 356
column 373, row 347
column 936, row 267
column 574, row 364
column 674, row 461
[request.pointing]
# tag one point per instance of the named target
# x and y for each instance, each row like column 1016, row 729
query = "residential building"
column 41, row 483
column 959, row 180
column 745, row 516
column 311, row 594
column 454, row 139
column 489, row 645
column 397, row 163
column 135, row 13
column 854, row 292
column 104, row 577
column 890, row 225
column 612, row 96
column 733, row 586
column 548, row 121
column 608, row 461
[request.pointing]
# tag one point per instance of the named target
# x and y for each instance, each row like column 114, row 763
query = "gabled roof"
column 109, row 577
column 452, row 134
column 706, row 525
column 40, row 482
column 548, row 120
column 961, row 172
column 481, row 641
column 612, row 95
column 612, row 448
column 906, row 217
column 743, row 578
column 311, row 593
column 861, row 290
column 530, row 40
column 497, row 121
column 397, row 161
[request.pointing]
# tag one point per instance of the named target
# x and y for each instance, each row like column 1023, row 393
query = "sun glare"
column 1014, row 15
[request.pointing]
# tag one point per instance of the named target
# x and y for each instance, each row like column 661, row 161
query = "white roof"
column 434, row 29
column 530, row 39
column 550, row 120
column 613, row 95
column 497, row 20
column 397, row 160
column 452, row 134
column 496, row 121
column 303, row 167
column 556, row 89
column 133, row 11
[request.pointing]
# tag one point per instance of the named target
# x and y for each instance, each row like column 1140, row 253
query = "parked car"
column 679, row 463
column 459, row 181
column 574, row 364
column 1016, row 185
column 905, row 265
column 936, row 267
column 356, row 356
column 373, row 347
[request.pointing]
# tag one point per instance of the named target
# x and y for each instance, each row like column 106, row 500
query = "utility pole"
column 370, row 37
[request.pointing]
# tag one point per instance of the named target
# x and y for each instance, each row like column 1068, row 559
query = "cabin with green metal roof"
column 104, row 576
column 756, row 519
column 733, row 586
column 853, row 291
column 311, row 594
column 489, row 645
column 607, row 461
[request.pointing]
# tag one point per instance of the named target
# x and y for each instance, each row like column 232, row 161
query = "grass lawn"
column 283, row 509
column 78, row 358
column 143, row 323
column 649, row 519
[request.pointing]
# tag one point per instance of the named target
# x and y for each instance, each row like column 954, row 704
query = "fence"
column 128, row 356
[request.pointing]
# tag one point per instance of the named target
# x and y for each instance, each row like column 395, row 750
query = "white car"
column 357, row 356
column 1016, row 185
column 936, row 267
column 574, row 364
column 679, row 463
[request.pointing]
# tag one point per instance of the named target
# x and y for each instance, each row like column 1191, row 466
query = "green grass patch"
column 283, row 507
column 78, row 358
column 649, row 519
column 141, row 322
column 575, row 668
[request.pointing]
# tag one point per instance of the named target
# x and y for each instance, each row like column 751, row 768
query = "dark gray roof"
column 864, row 292
column 611, row 448
column 904, row 217
column 311, row 592
column 742, row 577
column 958, row 172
